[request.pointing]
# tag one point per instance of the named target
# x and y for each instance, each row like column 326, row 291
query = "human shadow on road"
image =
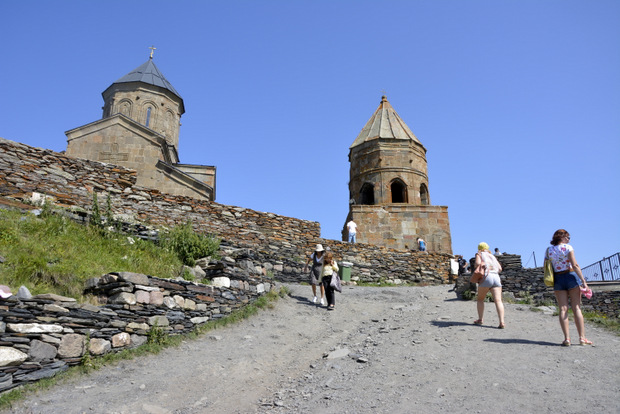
column 447, row 324
column 521, row 341
column 303, row 300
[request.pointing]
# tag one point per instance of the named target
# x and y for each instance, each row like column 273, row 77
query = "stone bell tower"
column 388, row 187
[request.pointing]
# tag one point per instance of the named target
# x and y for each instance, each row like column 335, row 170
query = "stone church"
column 388, row 187
column 139, row 129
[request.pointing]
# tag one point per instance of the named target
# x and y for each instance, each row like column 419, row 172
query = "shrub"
column 189, row 245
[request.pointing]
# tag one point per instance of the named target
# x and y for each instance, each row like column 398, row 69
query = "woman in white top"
column 566, row 275
column 491, row 282
column 315, row 271
column 329, row 268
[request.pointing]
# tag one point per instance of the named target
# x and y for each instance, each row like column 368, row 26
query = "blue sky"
column 516, row 102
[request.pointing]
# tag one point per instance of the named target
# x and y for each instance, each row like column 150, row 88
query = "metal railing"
column 605, row 270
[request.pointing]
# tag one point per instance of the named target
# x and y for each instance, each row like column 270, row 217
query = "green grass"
column 610, row 324
column 53, row 254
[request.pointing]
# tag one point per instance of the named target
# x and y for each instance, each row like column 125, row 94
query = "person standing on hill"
column 352, row 230
column 315, row 271
column 421, row 244
column 329, row 267
column 490, row 282
column 566, row 275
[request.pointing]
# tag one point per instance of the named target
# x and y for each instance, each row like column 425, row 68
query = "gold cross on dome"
column 152, row 50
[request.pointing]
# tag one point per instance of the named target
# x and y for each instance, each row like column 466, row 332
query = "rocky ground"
column 383, row 350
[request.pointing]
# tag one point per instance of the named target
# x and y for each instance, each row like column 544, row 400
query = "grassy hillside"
column 53, row 254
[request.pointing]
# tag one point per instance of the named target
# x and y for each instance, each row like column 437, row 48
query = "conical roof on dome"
column 384, row 124
column 149, row 74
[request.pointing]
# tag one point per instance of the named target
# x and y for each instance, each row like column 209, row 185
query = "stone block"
column 120, row 340
column 72, row 346
column 41, row 351
column 143, row 296
column 158, row 320
column 99, row 346
column 156, row 298
column 10, row 356
column 221, row 282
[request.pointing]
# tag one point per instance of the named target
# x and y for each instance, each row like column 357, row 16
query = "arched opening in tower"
column 424, row 195
column 367, row 194
column 399, row 191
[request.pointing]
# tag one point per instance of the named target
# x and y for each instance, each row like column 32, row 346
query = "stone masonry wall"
column 45, row 334
column 283, row 243
column 399, row 225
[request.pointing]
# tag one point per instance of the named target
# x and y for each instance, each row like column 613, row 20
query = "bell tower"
column 388, row 162
column 388, row 186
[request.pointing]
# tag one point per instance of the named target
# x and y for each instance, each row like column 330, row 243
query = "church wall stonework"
column 380, row 162
column 398, row 225
column 118, row 142
column 165, row 113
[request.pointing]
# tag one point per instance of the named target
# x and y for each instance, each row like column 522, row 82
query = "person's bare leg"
column 482, row 293
column 575, row 303
column 496, row 292
column 562, row 298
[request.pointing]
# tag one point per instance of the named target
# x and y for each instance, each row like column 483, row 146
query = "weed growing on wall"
column 95, row 215
column 189, row 245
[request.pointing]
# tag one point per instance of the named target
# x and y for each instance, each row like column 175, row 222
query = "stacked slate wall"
column 45, row 334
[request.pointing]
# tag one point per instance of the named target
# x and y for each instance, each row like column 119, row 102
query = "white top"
column 490, row 261
column 559, row 256
column 352, row 227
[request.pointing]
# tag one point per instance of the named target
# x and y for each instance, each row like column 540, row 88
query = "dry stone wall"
column 45, row 334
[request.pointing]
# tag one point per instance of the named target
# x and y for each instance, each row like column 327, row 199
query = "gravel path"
column 383, row 350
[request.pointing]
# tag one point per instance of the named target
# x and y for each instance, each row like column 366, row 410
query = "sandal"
column 566, row 342
column 585, row 341
column 501, row 326
column 478, row 322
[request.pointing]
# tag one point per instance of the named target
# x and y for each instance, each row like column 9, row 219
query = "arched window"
column 125, row 108
column 424, row 195
column 399, row 191
column 367, row 194
column 148, row 116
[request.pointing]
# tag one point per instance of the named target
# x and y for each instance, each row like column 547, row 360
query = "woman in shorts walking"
column 491, row 282
column 566, row 277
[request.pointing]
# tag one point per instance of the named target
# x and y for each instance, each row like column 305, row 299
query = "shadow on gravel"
column 521, row 341
column 303, row 300
column 447, row 324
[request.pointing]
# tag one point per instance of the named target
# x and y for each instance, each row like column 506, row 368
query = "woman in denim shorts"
column 566, row 281
column 491, row 282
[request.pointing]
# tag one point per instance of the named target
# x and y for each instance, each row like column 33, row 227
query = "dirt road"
column 383, row 350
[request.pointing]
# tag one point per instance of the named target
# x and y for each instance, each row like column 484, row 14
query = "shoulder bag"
column 335, row 282
column 548, row 277
column 478, row 274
